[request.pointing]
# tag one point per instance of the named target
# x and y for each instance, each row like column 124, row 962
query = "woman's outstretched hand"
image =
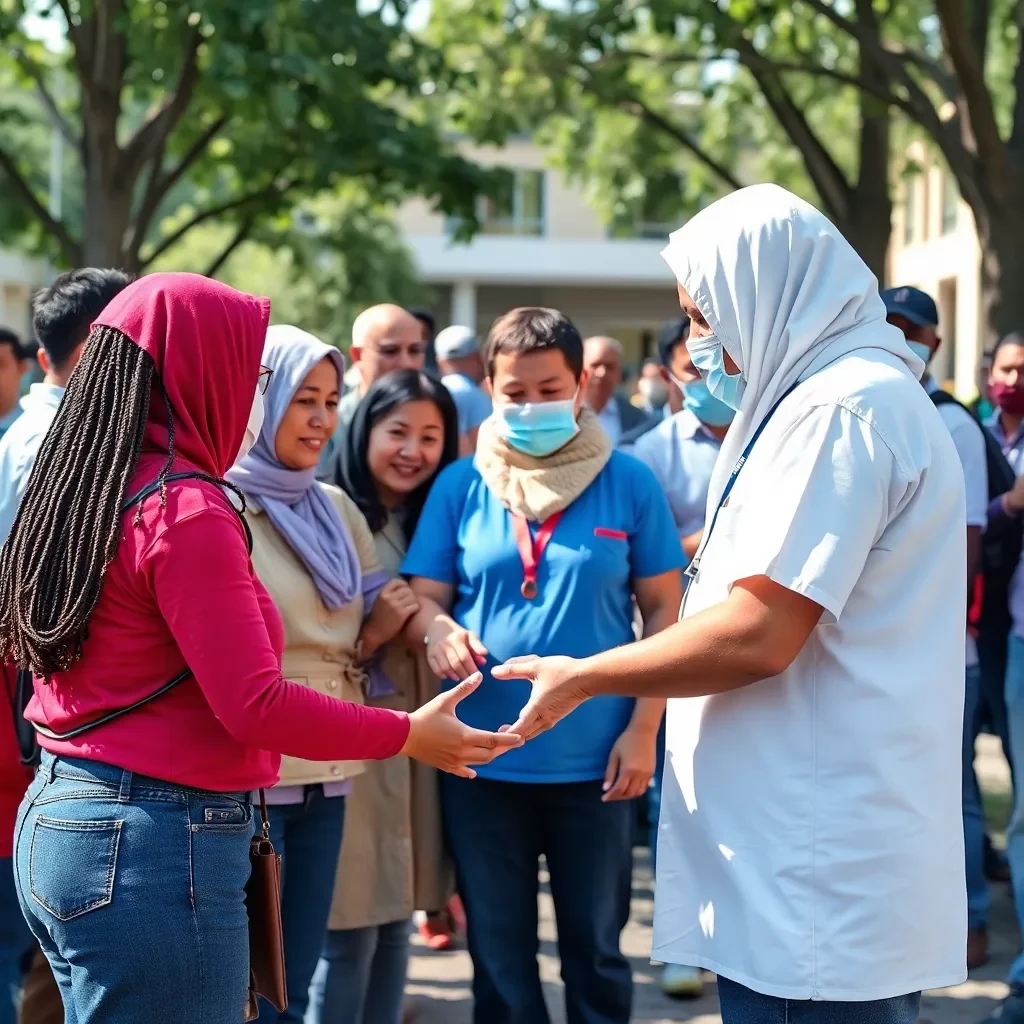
column 437, row 737
column 557, row 690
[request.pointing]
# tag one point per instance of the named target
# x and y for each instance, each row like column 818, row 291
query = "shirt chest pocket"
column 599, row 557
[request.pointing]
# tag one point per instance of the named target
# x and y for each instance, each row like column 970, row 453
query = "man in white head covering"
column 811, row 850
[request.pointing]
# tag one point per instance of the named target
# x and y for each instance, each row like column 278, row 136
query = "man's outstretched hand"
column 557, row 690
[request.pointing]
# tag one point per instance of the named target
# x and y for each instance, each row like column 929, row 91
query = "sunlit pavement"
column 439, row 986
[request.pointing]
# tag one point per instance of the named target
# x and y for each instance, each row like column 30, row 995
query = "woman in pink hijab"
column 126, row 588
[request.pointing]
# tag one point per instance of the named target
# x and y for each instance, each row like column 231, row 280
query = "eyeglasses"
column 392, row 350
column 263, row 381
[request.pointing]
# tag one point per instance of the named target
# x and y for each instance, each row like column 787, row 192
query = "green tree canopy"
column 345, row 255
column 659, row 106
column 805, row 92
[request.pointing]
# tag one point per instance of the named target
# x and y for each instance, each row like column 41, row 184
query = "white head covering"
column 784, row 293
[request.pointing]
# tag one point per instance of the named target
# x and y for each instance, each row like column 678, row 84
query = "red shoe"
column 436, row 931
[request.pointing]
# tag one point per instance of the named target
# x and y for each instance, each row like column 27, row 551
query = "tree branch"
column 918, row 105
column 1016, row 142
column 932, row 68
column 78, row 51
column 32, row 69
column 640, row 109
column 976, row 100
column 160, row 184
column 211, row 212
column 152, row 133
column 825, row 174
column 236, row 240
column 69, row 248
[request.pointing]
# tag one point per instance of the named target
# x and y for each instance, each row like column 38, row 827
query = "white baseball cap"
column 455, row 342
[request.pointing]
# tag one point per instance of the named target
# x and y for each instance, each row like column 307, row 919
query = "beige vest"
column 392, row 854
column 319, row 649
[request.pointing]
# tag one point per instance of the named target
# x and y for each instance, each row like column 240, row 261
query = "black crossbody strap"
column 111, row 716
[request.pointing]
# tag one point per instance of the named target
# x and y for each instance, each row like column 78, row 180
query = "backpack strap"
column 153, row 488
column 111, row 716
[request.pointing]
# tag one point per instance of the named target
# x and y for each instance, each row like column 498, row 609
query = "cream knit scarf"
column 537, row 488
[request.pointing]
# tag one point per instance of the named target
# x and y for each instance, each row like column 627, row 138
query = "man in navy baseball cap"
column 914, row 313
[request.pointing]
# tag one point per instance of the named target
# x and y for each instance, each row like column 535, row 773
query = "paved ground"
column 439, row 987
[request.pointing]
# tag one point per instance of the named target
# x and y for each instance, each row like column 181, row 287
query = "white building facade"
column 935, row 247
column 19, row 279
column 542, row 245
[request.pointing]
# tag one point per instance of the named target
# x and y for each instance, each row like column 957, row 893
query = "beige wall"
column 945, row 264
column 566, row 214
column 628, row 314
column 19, row 279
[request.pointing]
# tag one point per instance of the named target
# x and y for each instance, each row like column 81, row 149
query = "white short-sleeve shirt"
column 811, row 843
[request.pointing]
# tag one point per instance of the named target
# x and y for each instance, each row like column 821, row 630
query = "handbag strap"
column 264, row 818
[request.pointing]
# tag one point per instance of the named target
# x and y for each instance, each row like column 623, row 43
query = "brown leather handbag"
column 266, row 934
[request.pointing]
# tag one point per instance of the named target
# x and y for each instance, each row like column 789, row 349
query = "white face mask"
column 253, row 427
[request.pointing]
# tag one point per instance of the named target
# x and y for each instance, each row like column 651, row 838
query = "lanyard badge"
column 531, row 549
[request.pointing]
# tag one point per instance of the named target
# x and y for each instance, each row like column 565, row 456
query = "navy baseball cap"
column 912, row 304
column 671, row 333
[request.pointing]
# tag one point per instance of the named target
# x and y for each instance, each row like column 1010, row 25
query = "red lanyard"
column 531, row 549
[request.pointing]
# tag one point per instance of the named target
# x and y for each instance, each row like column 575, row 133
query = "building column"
column 464, row 304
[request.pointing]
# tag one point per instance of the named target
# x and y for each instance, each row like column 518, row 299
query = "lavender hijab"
column 300, row 510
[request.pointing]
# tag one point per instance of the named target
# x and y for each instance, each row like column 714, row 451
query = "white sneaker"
column 681, row 982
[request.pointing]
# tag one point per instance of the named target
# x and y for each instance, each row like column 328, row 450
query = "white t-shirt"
column 969, row 441
column 811, row 844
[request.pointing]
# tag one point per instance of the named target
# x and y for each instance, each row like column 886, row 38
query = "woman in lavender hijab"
column 314, row 552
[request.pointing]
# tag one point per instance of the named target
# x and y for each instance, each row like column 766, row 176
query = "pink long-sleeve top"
column 181, row 592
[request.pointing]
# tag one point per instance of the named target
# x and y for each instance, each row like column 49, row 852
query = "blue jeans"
column 742, row 1006
column 497, row 832
column 308, row 838
column 1015, row 830
column 135, row 890
column 15, row 943
column 974, row 819
column 654, row 798
column 361, row 976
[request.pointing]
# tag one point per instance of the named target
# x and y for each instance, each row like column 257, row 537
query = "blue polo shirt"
column 619, row 529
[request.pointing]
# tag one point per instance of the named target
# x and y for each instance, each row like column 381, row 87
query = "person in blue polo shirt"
column 542, row 541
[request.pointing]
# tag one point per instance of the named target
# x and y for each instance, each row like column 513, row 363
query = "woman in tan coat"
column 392, row 860
column 314, row 552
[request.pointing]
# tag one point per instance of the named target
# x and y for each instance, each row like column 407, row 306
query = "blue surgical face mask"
column 708, row 356
column 709, row 410
column 922, row 351
column 538, row 428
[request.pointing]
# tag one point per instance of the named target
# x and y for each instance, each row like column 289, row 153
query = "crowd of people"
column 429, row 600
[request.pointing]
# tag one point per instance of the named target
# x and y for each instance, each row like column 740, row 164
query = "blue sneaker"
column 1010, row 1010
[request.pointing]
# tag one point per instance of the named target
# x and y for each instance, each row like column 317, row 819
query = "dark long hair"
column 68, row 525
column 352, row 472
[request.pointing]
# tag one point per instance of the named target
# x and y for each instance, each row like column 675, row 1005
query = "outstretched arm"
column 755, row 634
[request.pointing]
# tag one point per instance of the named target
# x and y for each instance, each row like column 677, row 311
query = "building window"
column 518, row 209
column 950, row 204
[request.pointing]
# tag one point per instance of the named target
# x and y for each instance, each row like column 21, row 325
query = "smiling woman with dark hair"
column 355, row 475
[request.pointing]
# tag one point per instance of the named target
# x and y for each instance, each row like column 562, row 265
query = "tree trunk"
column 108, row 195
column 107, row 217
column 1002, row 272
column 868, row 229
column 870, row 206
